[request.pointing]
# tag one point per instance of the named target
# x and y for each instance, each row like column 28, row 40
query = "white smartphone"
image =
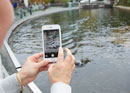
column 51, row 37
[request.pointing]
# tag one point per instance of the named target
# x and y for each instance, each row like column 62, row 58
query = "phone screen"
column 51, row 43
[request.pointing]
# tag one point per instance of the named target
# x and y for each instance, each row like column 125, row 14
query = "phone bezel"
column 50, row 27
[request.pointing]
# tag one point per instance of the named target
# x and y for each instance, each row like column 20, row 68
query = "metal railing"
column 99, row 2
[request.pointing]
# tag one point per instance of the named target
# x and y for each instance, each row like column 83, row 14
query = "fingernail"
column 66, row 49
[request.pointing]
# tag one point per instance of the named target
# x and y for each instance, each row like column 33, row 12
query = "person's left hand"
column 32, row 66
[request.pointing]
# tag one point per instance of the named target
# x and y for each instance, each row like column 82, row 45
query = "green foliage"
column 60, row 1
column 125, row 2
column 47, row 1
column 52, row 1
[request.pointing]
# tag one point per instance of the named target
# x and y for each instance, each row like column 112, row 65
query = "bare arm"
column 6, row 18
column 30, row 70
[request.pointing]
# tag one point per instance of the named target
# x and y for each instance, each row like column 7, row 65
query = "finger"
column 39, row 60
column 50, row 63
column 73, row 60
column 43, row 63
column 43, row 69
column 37, row 55
column 73, row 67
column 60, row 55
column 50, row 68
column 68, row 56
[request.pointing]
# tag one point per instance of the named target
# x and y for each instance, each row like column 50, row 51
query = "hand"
column 32, row 67
column 62, row 70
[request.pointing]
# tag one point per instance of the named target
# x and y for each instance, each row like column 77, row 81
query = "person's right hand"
column 62, row 70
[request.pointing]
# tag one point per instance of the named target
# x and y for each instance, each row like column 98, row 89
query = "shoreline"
column 36, row 14
column 122, row 7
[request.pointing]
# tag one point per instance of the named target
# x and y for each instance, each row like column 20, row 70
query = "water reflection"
column 99, row 38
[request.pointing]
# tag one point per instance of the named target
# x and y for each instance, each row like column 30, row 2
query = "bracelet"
column 19, row 81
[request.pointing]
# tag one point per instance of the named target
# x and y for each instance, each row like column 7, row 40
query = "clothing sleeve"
column 60, row 88
column 9, row 85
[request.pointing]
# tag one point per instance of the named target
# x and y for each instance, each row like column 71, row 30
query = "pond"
column 99, row 38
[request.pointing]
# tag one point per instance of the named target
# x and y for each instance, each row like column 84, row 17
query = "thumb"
column 43, row 63
column 51, row 67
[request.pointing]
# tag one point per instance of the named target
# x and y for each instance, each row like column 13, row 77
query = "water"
column 99, row 38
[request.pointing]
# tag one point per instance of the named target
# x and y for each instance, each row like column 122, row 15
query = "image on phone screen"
column 51, row 43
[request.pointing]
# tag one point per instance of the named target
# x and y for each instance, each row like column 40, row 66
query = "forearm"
column 9, row 85
column 60, row 87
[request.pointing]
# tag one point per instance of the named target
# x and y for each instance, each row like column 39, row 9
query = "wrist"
column 66, row 82
column 19, row 81
column 61, row 87
column 23, row 78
